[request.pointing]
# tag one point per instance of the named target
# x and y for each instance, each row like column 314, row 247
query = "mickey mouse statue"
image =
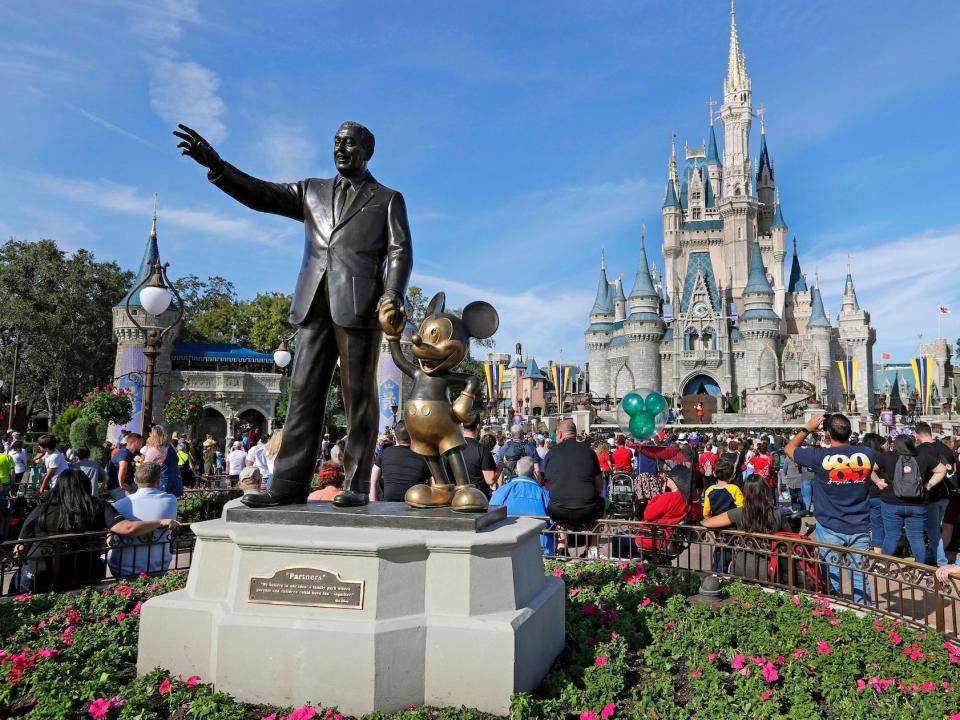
column 432, row 418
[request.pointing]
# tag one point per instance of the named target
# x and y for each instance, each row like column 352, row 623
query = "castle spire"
column 603, row 305
column 797, row 283
column 850, row 302
column 643, row 284
column 736, row 62
column 757, row 281
column 818, row 316
column 153, row 225
column 151, row 256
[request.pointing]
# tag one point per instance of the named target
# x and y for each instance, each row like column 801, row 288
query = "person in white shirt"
column 257, row 457
column 235, row 461
column 21, row 458
column 148, row 553
column 53, row 460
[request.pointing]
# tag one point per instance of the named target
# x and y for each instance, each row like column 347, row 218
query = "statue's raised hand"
column 195, row 146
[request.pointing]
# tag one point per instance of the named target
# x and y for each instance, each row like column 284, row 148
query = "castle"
column 724, row 319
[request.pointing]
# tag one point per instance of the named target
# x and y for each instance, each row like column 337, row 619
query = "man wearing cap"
column 236, row 459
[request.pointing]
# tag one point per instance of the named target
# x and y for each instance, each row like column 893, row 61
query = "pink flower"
column 823, row 648
column 738, row 662
column 697, row 672
column 76, row 403
column 574, row 592
column 165, row 686
column 800, row 653
column 712, row 656
column 608, row 711
column 589, row 609
column 954, row 716
column 781, row 659
column 558, row 572
column 766, row 696
column 895, row 637
column 193, row 680
column 97, row 389
column 645, row 603
column 108, row 388
column 125, row 590
column 836, row 622
column 271, row 716
column 121, row 617
column 670, row 625
column 861, row 685
column 795, row 600
column 588, row 715
column 770, row 673
column 745, row 672
column 601, row 661
column 303, row 713
column 98, row 709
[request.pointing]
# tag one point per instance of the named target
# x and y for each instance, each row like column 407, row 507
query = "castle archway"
column 701, row 384
column 699, row 400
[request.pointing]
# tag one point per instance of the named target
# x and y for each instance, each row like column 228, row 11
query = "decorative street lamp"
column 282, row 356
column 156, row 293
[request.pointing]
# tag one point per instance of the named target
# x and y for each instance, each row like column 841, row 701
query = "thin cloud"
column 183, row 91
column 126, row 200
column 94, row 118
column 289, row 155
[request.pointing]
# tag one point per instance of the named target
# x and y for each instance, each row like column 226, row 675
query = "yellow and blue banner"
column 923, row 375
column 560, row 374
column 848, row 376
column 493, row 373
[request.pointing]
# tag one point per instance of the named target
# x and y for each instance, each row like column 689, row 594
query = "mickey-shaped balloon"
column 645, row 410
column 432, row 418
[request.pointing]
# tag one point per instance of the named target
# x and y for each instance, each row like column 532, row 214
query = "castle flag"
column 493, row 373
column 560, row 375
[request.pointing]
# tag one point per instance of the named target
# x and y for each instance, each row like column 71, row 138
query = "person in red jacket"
column 669, row 508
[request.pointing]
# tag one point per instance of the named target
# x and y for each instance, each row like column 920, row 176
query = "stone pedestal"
column 370, row 609
column 581, row 418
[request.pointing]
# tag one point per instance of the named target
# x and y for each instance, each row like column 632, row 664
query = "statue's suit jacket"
column 351, row 253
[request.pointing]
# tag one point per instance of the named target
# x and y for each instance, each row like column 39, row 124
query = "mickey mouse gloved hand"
column 462, row 407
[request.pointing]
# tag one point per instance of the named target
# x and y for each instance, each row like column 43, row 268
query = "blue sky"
column 523, row 136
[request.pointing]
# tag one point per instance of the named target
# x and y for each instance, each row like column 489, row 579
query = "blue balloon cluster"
column 643, row 412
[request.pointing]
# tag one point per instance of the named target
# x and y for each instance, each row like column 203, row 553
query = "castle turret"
column 797, row 297
column 619, row 301
column 130, row 361
column 736, row 114
column 765, row 184
column 672, row 220
column 856, row 342
column 713, row 163
column 600, row 330
column 819, row 331
column 644, row 327
column 778, row 238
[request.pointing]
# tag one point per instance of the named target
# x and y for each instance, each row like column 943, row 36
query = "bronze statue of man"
column 357, row 256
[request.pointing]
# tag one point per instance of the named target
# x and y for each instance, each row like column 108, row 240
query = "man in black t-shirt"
column 397, row 469
column 575, row 480
column 481, row 466
column 939, row 496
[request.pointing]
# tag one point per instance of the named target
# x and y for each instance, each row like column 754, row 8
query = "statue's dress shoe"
column 351, row 498
column 469, row 499
column 429, row 496
column 267, row 499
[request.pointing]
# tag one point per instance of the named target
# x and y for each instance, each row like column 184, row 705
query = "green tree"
column 269, row 313
column 200, row 297
column 60, row 306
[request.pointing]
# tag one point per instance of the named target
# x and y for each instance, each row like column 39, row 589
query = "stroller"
column 623, row 500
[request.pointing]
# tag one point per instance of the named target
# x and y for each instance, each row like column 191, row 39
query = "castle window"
column 695, row 197
column 696, row 213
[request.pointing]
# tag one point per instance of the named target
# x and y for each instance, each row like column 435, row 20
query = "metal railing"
column 69, row 562
column 856, row 579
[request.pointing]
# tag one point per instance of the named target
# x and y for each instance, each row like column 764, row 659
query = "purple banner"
column 131, row 361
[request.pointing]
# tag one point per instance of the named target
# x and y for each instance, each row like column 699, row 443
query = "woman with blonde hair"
column 159, row 450
column 273, row 447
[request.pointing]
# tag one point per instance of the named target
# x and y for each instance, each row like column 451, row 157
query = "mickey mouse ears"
column 481, row 319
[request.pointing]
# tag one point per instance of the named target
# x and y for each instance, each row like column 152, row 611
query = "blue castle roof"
column 797, row 283
column 643, row 285
column 848, row 289
column 618, row 291
column 670, row 197
column 603, row 305
column 764, row 158
column 218, row 352
column 533, row 372
column 151, row 256
column 818, row 316
column 713, row 157
column 778, row 221
column 698, row 263
column 757, row 280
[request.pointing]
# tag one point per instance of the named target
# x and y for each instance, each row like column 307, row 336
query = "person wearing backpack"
column 902, row 478
column 509, row 454
column 939, row 496
column 840, row 494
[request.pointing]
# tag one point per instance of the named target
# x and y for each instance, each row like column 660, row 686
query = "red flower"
column 589, row 609
column 98, row 709
column 588, row 715
column 823, row 648
column 608, row 711
column 697, row 672
column 895, row 637
column 193, row 680
column 165, row 686
column 766, row 696
column 601, row 661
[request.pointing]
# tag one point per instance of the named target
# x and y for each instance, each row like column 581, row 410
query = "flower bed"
column 635, row 649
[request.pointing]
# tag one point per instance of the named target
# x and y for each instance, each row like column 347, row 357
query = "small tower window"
column 696, row 213
column 695, row 197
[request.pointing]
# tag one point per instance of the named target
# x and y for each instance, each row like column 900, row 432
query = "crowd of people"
column 129, row 489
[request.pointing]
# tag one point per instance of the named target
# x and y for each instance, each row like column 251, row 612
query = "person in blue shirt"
column 841, row 494
column 523, row 495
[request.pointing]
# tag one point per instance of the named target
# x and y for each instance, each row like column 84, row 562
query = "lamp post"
column 13, row 382
column 156, row 292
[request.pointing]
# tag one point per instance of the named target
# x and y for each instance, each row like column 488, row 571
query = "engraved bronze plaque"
column 307, row 586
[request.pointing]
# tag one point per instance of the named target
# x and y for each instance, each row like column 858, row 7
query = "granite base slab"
column 443, row 617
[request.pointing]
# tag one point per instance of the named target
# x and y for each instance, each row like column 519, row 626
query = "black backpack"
column 907, row 480
column 511, row 455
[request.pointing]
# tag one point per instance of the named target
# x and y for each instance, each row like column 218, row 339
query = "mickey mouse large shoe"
column 469, row 499
column 429, row 496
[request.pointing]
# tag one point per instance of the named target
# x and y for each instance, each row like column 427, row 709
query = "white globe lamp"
column 282, row 356
column 155, row 300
